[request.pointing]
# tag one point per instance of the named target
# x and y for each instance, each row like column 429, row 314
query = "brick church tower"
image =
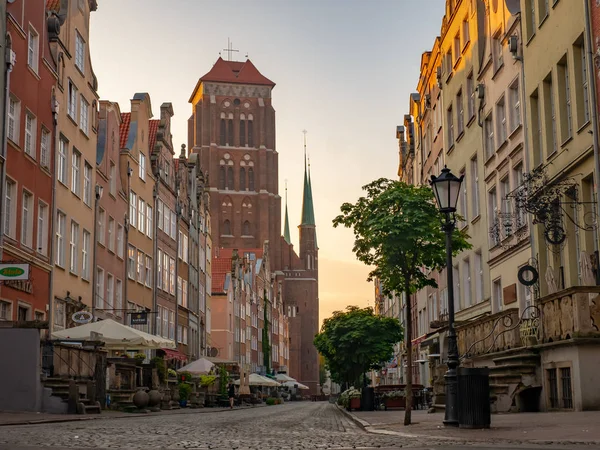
column 232, row 127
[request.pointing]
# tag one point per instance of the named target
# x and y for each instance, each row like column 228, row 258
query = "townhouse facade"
column 30, row 75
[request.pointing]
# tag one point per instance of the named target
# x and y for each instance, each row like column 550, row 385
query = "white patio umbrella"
column 282, row 377
column 115, row 336
column 258, row 380
column 295, row 384
column 201, row 366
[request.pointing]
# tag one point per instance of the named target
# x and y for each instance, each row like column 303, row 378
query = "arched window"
column 223, row 133
column 242, row 178
column 230, row 178
column 230, row 132
column 222, row 177
column 251, row 179
column 246, row 229
column 226, row 228
column 242, row 132
column 250, row 132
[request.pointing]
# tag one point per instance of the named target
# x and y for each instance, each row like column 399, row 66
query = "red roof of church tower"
column 236, row 72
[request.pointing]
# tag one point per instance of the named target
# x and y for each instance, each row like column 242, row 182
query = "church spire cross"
column 229, row 49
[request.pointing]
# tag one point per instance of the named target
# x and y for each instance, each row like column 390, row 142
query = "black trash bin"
column 367, row 400
column 474, row 397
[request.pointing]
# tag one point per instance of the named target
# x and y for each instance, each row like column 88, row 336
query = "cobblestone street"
column 290, row 426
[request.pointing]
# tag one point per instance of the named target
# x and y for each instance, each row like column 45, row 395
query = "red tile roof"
column 220, row 268
column 152, row 130
column 53, row 5
column 236, row 72
column 124, row 129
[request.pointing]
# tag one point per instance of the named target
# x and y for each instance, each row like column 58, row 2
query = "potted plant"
column 171, row 373
column 139, row 358
column 185, row 390
column 350, row 399
column 394, row 399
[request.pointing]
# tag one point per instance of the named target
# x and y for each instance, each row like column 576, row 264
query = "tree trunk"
column 409, row 362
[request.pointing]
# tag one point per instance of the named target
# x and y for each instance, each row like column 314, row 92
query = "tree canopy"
column 397, row 230
column 355, row 341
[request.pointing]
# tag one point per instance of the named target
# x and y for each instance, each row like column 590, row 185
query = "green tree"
column 397, row 230
column 355, row 341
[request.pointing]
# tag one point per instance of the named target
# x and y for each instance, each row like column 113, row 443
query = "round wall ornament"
column 528, row 275
column 82, row 317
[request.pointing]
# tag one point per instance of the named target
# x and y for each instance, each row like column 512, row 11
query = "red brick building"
column 232, row 128
column 28, row 187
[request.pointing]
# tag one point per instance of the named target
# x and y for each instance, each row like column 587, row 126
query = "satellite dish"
column 214, row 352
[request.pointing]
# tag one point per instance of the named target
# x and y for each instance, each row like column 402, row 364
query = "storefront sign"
column 139, row 318
column 9, row 272
column 82, row 317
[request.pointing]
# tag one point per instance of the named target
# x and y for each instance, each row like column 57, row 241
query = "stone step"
column 507, row 378
column 528, row 368
column 499, row 388
column 89, row 408
column 517, row 358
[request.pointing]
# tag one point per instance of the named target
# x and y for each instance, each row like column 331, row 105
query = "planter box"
column 354, row 404
column 394, row 402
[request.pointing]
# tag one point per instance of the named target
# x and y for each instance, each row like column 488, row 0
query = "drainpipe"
column 97, row 197
column 126, row 249
column 177, row 218
column 593, row 94
column 154, row 327
column 51, row 248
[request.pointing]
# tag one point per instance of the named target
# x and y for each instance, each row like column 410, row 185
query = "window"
column 222, row 133
column 462, row 206
column 33, row 50
column 478, row 277
column 62, row 160
column 250, row 131
column 99, row 288
column 110, row 292
column 465, row 32
column 518, row 184
column 171, row 325
column 61, row 223
column 5, row 311
column 230, row 179
column 226, row 228
column 501, row 121
column 566, row 390
column 450, row 119
column 467, row 283
column 552, row 388
column 159, row 275
column 118, row 297
column 72, row 101
column 550, row 116
column 111, row 234
column 131, row 262
column 242, row 131
column 120, row 242
column 166, row 272
column 488, row 130
column 160, row 214
column 42, row 229
column 457, row 287
column 515, row 105
column 14, row 114
column 75, row 168
column 536, row 123
column 497, row 57
column 179, row 290
column 30, row 129
column 23, row 313
column 497, row 294
column 543, row 9
column 87, row 184
column 582, row 83
column 251, row 179
column 148, row 277
column 460, row 113
column 10, row 208
column 101, row 230
column 149, row 221
column 27, row 220
column 222, row 176
column 85, row 255
column 45, row 143
column 242, row 178
column 530, row 18
column 112, row 177
column 171, row 276
column 133, row 209
column 457, row 49
column 142, row 167
column 173, row 225
column 142, row 216
column 564, row 100
column 84, row 112
column 79, row 52
column 167, row 220
column 492, row 212
column 74, row 247
column 506, row 205
column 141, row 270
column 475, row 187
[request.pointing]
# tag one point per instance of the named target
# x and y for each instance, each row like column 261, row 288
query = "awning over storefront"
column 174, row 354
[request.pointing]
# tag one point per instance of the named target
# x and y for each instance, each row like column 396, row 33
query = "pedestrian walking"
column 231, row 394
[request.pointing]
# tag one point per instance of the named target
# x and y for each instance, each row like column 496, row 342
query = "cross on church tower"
column 229, row 49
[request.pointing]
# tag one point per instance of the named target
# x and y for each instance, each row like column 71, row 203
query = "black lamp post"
column 447, row 188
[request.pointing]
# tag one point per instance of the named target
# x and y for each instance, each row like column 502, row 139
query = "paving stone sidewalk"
column 566, row 428
column 32, row 418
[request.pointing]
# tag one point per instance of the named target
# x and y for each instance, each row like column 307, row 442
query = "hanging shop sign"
column 139, row 318
column 13, row 272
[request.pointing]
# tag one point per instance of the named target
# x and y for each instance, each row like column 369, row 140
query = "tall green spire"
column 308, row 213
column 286, row 227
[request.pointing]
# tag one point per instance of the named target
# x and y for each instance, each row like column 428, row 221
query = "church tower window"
column 230, row 140
column 230, row 178
column 223, row 133
column 242, row 178
column 250, row 131
column 222, row 177
column 246, row 229
column 242, row 130
column 226, row 228
column 251, row 179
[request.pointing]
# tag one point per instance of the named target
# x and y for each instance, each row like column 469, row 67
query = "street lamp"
column 446, row 188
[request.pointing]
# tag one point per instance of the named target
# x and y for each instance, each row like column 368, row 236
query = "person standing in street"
column 231, row 390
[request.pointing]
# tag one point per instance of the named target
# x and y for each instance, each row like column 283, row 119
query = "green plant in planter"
column 161, row 368
column 140, row 357
column 185, row 377
column 271, row 401
column 394, row 395
column 207, row 380
column 171, row 373
column 185, row 390
column 344, row 398
column 223, row 378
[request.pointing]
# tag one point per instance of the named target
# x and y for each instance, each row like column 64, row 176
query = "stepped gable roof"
column 152, row 131
column 236, row 72
column 124, row 129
